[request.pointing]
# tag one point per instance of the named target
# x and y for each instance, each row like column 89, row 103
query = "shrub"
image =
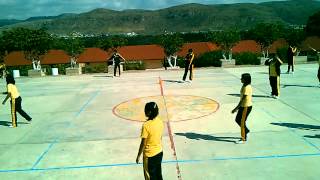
column 134, row 65
column 23, row 70
column 61, row 68
column 95, row 68
column 205, row 60
column 209, row 59
column 246, row 58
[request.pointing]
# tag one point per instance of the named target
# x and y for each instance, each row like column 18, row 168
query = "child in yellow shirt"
column 244, row 106
column 13, row 93
column 151, row 145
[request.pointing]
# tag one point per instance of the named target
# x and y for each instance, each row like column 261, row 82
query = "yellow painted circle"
column 172, row 108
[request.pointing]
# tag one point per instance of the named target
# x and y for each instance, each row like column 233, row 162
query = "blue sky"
column 22, row 9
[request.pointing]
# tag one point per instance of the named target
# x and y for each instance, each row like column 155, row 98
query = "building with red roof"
column 151, row 55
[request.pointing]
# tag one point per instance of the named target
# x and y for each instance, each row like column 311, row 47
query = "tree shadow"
column 297, row 85
column 172, row 81
column 314, row 136
column 259, row 96
column 9, row 123
column 298, row 126
column 191, row 135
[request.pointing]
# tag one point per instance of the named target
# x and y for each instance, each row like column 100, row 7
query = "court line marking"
column 294, row 132
column 170, row 131
column 57, row 139
column 279, row 156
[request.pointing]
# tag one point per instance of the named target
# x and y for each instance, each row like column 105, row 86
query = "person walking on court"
column 318, row 54
column 290, row 56
column 116, row 58
column 16, row 100
column 151, row 145
column 274, row 75
column 188, row 65
column 244, row 106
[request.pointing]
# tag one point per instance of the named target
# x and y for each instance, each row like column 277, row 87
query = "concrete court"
column 75, row 135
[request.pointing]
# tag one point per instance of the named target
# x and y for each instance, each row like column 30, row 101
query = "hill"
column 183, row 18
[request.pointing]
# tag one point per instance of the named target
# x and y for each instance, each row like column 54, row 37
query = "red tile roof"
column 142, row 52
column 246, row 46
column 277, row 44
column 56, row 57
column 93, row 55
column 16, row 58
column 312, row 41
column 198, row 48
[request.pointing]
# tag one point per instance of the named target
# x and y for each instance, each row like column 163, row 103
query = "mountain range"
column 182, row 18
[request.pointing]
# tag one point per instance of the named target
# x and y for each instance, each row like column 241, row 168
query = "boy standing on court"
column 188, row 65
column 117, row 58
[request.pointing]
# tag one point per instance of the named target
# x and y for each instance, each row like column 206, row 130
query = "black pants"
column 16, row 107
column 241, row 119
column 290, row 64
column 186, row 69
column 152, row 167
column 115, row 69
column 292, row 67
column 275, row 85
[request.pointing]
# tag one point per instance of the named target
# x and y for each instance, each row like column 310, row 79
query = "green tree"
column 294, row 37
column 112, row 43
column 265, row 34
column 33, row 43
column 225, row 40
column 72, row 45
column 2, row 50
column 171, row 43
column 313, row 25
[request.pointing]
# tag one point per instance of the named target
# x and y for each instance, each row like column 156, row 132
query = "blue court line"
column 57, row 139
column 164, row 162
column 290, row 129
column 43, row 154
column 86, row 104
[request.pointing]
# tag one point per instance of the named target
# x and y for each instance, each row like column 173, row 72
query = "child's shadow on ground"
column 8, row 123
column 259, row 96
column 191, row 135
column 104, row 76
column 173, row 81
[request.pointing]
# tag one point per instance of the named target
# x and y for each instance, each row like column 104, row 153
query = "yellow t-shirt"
column 13, row 90
column 246, row 90
column 152, row 132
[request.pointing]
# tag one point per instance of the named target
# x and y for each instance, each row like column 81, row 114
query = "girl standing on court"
column 151, row 145
column 13, row 93
column 244, row 107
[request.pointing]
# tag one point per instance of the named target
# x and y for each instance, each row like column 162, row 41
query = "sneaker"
column 12, row 126
column 240, row 142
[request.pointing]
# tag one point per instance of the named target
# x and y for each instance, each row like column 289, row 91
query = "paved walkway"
column 88, row 126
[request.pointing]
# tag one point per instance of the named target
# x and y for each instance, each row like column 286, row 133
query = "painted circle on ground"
column 172, row 107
